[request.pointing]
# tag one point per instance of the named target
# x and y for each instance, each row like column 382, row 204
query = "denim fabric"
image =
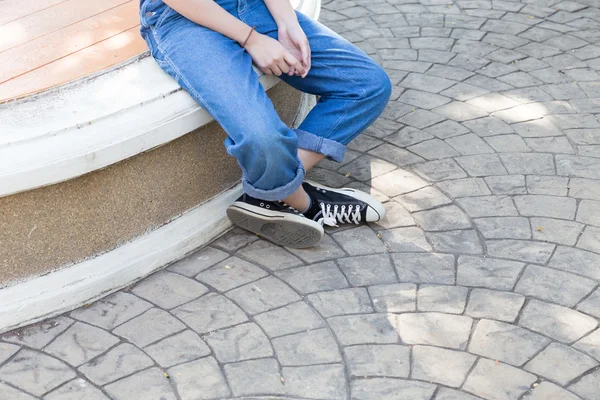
column 218, row 74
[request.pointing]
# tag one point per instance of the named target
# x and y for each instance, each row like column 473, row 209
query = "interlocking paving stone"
column 441, row 219
column 488, row 206
column 341, row 302
column 121, row 361
column 447, row 129
column 326, row 381
column 112, row 311
column 464, row 187
column 263, row 295
column 502, row 306
column 498, row 381
column 359, row 241
column 465, row 242
column 560, row 363
column 314, row 278
column 199, row 261
column 393, row 298
column 149, row 384
column 80, row 343
column 383, row 360
column 548, row 185
column 241, row 342
column 365, row 328
column 447, row 299
column 8, row 392
column 367, row 167
column 307, row 348
column 396, row 155
column 558, row 322
column 591, row 305
column 488, row 272
column 6, row 351
column 549, row 391
column 180, row 348
column 168, row 290
column 453, row 394
column 504, row 227
column 435, row 329
column 368, row 270
column 481, row 165
column 577, row 261
column 410, row 239
column 270, row 256
column 556, row 231
column 590, row 239
column 554, row 286
column 590, row 344
column 326, row 249
column 440, row 170
column 589, row 212
column 388, row 389
column 396, row 216
column 189, row 386
column 587, row 387
column 230, row 273
column 433, row 149
column 35, row 372
column 76, row 389
column 40, row 334
column 488, row 126
column 289, row 319
column 209, row 313
column 521, row 250
column 448, row 367
column 398, row 182
column 234, row 240
column 507, row 343
column 546, row 206
column 149, row 327
column 507, row 143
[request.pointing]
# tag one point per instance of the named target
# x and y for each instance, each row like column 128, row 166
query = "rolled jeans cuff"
column 329, row 148
column 278, row 193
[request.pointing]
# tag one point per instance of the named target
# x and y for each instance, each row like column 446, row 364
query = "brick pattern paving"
column 482, row 283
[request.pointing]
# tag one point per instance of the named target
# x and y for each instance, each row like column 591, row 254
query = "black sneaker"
column 345, row 206
column 275, row 221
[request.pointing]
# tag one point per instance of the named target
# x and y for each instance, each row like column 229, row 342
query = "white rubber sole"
column 377, row 209
column 280, row 228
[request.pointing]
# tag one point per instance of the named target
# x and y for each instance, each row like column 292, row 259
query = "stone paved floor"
column 481, row 284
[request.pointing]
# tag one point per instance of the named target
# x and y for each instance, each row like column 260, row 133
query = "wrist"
column 284, row 24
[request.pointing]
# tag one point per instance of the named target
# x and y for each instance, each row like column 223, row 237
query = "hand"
column 270, row 56
column 294, row 40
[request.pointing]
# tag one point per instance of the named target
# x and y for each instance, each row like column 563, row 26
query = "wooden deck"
column 45, row 43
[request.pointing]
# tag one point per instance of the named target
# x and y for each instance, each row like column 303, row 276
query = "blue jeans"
column 218, row 74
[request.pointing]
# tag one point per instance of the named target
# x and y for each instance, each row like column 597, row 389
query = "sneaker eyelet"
column 268, row 206
column 262, row 204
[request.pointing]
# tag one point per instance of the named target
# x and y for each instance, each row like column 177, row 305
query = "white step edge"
column 98, row 121
column 63, row 290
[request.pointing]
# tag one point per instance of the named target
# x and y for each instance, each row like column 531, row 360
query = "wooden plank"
column 77, row 65
column 51, row 19
column 15, row 9
column 46, row 49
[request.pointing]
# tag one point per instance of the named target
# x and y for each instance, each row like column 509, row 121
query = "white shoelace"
column 343, row 214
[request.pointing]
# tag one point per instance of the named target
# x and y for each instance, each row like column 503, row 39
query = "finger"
column 292, row 71
column 276, row 70
column 283, row 65
column 305, row 50
column 293, row 61
column 267, row 71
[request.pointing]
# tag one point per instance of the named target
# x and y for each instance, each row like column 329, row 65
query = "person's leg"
column 353, row 92
column 218, row 74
